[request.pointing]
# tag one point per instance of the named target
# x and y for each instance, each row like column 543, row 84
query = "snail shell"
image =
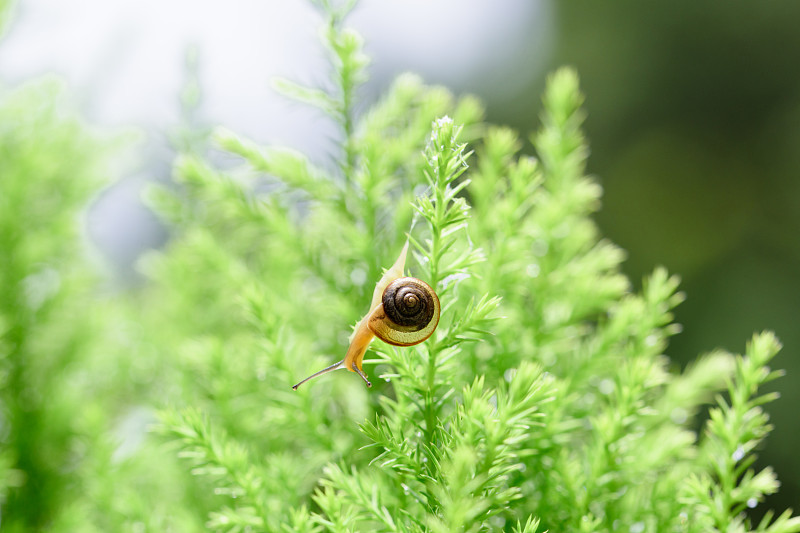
column 408, row 315
column 404, row 312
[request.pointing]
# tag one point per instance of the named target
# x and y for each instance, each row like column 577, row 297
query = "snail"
column 404, row 312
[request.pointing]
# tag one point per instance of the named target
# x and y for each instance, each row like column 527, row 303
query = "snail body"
column 404, row 312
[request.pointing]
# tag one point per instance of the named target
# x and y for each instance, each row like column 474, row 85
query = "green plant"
column 542, row 402
column 75, row 375
column 55, row 411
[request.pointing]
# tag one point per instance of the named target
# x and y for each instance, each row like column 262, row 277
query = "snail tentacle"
column 361, row 373
column 334, row 366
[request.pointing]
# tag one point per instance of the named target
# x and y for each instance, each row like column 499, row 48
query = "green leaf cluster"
column 543, row 401
column 78, row 377
column 66, row 377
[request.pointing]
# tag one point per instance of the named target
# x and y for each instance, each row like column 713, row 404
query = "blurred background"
column 693, row 116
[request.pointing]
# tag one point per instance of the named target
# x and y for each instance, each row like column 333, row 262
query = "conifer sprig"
column 562, row 415
column 226, row 463
column 735, row 427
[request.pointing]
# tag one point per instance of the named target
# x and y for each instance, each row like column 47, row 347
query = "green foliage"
column 542, row 402
column 5, row 14
column 53, row 324
column 75, row 374
column 727, row 486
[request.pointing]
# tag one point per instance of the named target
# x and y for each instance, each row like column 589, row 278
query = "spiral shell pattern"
column 410, row 313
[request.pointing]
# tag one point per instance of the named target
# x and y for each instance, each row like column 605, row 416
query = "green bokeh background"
column 694, row 122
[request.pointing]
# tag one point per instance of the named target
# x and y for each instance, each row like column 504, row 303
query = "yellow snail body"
column 404, row 312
